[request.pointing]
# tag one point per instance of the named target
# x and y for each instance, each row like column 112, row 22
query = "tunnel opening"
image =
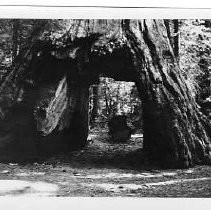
column 115, row 123
column 58, row 97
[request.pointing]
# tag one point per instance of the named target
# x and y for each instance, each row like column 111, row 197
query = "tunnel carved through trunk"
column 176, row 133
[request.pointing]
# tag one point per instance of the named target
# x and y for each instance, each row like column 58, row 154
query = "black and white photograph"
column 105, row 107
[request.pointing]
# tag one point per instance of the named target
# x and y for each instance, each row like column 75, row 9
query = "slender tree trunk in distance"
column 95, row 101
column 176, row 38
column 15, row 40
column 172, row 29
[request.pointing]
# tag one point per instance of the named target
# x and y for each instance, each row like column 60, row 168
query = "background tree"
column 94, row 113
column 195, row 58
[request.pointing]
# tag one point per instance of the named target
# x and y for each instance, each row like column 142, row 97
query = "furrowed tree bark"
column 176, row 134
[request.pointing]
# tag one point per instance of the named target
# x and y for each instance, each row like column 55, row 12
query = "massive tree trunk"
column 176, row 134
column 55, row 109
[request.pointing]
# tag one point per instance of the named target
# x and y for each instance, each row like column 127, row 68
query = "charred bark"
column 175, row 134
column 61, row 111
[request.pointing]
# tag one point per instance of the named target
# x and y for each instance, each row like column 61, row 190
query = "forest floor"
column 103, row 169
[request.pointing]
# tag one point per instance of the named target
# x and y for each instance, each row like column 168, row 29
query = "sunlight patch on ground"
column 189, row 171
column 123, row 187
column 140, row 135
column 22, row 174
column 179, row 181
column 127, row 175
column 30, row 174
column 20, row 187
column 169, row 173
column 119, row 176
column 94, row 136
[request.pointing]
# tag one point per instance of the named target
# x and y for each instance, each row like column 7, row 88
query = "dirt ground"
column 103, row 169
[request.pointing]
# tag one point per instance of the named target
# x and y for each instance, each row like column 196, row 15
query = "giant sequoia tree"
column 176, row 134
